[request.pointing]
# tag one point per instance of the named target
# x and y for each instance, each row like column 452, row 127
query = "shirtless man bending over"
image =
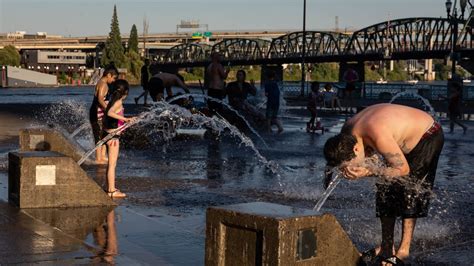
column 410, row 142
column 161, row 81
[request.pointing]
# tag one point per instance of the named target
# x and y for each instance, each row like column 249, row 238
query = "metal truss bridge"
column 408, row 38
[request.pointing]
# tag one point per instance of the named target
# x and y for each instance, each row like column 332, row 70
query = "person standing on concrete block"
column 410, row 142
column 96, row 112
column 114, row 120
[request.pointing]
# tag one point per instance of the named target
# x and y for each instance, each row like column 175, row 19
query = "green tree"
column 9, row 56
column 133, row 64
column 372, row 74
column 441, row 69
column 114, row 51
column 133, row 40
column 399, row 73
column 328, row 72
column 292, row 73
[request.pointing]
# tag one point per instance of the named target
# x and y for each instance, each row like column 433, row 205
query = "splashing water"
column 79, row 129
column 102, row 141
column 66, row 114
column 227, row 106
column 166, row 118
column 332, row 185
column 425, row 101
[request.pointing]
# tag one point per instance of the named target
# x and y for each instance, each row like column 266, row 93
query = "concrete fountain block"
column 46, row 139
column 46, row 179
column 262, row 233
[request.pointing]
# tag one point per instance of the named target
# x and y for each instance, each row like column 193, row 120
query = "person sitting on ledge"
column 410, row 142
column 330, row 97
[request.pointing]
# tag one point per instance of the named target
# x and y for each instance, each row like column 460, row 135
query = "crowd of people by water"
column 398, row 144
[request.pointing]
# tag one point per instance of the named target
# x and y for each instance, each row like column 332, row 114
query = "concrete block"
column 262, row 233
column 46, row 139
column 45, row 179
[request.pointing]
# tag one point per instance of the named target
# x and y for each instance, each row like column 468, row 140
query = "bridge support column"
column 429, row 74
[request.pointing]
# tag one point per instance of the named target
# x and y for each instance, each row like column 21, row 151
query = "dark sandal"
column 370, row 257
column 394, row 260
column 116, row 194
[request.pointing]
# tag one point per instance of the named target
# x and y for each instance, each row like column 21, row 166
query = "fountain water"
column 79, row 129
column 227, row 106
column 425, row 101
column 332, row 185
column 163, row 111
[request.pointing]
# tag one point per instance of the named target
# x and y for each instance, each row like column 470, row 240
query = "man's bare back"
column 405, row 125
column 168, row 79
column 217, row 75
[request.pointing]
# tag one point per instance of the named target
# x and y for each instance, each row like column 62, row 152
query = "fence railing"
column 382, row 91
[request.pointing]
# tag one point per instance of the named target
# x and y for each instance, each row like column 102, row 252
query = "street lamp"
column 463, row 4
column 303, row 54
column 448, row 4
column 454, row 21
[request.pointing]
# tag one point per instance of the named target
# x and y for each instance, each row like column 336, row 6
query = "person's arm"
column 385, row 144
column 222, row 72
column 113, row 112
column 102, row 93
column 252, row 88
column 181, row 84
column 169, row 91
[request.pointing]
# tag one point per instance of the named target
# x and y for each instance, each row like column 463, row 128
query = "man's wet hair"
column 112, row 70
column 339, row 149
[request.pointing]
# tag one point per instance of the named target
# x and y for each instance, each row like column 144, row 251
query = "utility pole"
column 145, row 33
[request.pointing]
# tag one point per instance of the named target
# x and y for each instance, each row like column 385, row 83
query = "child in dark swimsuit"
column 96, row 112
column 113, row 122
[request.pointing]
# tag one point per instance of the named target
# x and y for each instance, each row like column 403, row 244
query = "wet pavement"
column 169, row 187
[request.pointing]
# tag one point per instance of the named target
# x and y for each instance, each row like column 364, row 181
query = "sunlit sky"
column 92, row 17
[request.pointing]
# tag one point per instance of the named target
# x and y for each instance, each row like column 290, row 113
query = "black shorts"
column 155, row 86
column 218, row 94
column 410, row 197
column 97, row 130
